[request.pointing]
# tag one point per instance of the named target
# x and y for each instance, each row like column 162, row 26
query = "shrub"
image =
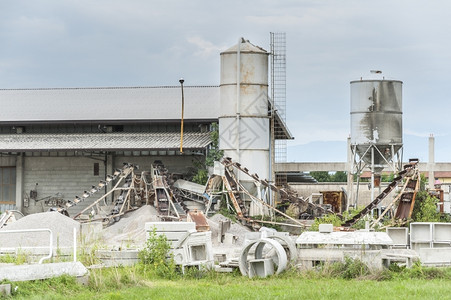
column 327, row 219
column 425, row 208
column 157, row 256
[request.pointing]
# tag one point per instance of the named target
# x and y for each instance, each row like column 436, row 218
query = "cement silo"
column 244, row 122
column 376, row 120
column 376, row 125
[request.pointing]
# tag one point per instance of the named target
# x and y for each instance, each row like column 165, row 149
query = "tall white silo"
column 244, row 122
column 376, row 124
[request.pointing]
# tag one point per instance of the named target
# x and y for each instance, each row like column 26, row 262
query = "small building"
column 55, row 143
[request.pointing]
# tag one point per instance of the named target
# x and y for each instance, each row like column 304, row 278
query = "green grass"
column 140, row 283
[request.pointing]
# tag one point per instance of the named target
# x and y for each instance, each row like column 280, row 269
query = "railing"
column 36, row 230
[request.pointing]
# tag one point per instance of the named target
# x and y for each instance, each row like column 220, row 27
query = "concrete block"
column 441, row 244
column 399, row 235
column 401, row 256
column 371, row 258
column 42, row 271
column 220, row 269
column 261, row 267
column 172, row 235
column 230, row 239
column 435, row 256
column 420, row 232
column 195, row 250
column 118, row 258
column 170, row 226
column 416, row 246
column 325, row 228
column 220, row 257
column 442, row 232
column 83, row 280
column 5, row 290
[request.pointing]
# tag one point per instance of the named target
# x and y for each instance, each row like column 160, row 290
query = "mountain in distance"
column 336, row 151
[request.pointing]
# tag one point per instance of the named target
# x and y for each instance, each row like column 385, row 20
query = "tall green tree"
column 321, row 176
column 340, row 176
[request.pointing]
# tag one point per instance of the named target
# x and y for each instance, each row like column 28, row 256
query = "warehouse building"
column 57, row 142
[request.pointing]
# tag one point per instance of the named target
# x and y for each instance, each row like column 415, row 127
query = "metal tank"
column 376, row 120
column 243, row 120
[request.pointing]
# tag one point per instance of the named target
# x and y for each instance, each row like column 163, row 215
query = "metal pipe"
column 75, row 244
column 36, row 230
column 183, row 108
column 238, row 98
column 372, row 177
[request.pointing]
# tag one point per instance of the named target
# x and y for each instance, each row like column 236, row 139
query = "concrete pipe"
column 281, row 261
column 288, row 243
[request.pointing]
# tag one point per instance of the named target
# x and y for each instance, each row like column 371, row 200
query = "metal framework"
column 358, row 164
column 278, row 87
column 405, row 199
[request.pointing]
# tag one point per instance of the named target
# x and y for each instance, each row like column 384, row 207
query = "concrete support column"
column 19, row 181
column 431, row 162
column 349, row 168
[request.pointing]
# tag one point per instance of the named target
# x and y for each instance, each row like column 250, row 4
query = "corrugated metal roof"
column 103, row 141
column 96, row 104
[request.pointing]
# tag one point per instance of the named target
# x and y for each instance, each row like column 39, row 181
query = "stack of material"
column 236, row 229
column 130, row 230
column 232, row 241
column 61, row 226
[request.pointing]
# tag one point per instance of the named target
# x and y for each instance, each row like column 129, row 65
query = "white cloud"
column 204, row 47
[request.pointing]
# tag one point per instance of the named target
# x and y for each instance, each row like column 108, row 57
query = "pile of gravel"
column 61, row 226
column 130, row 230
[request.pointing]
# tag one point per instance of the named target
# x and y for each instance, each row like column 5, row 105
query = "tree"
column 425, row 208
column 321, row 176
column 213, row 154
column 340, row 176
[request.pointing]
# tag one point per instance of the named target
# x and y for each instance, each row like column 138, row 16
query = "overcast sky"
column 81, row 43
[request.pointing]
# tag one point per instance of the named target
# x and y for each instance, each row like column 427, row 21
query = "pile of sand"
column 130, row 231
column 61, row 226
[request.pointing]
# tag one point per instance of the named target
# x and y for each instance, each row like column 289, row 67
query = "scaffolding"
column 278, row 96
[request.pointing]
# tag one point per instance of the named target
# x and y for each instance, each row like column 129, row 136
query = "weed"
column 20, row 258
column 157, row 256
column 421, row 272
column 348, row 269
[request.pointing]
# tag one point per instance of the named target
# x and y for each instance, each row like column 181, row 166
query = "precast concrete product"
column 437, row 257
column 399, row 235
column 261, row 267
column 282, row 237
column 189, row 247
column 280, row 253
column 42, row 271
column 430, row 235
